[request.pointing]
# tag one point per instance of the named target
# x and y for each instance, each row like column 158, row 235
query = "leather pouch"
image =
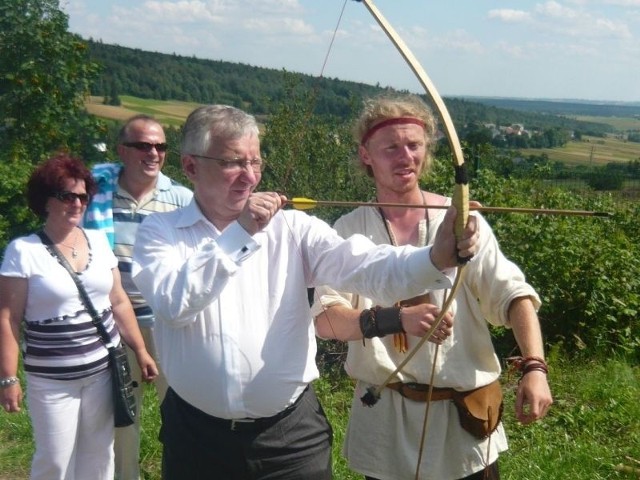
column 480, row 410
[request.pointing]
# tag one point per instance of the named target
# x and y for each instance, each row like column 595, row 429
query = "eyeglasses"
column 70, row 198
column 237, row 164
column 146, row 146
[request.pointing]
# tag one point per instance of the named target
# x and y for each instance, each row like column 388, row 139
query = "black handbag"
column 124, row 400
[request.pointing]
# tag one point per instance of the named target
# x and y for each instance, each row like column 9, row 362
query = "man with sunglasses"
column 128, row 192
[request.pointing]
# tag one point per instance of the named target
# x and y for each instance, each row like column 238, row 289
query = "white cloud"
column 509, row 15
column 623, row 3
column 612, row 28
column 552, row 17
column 185, row 11
column 279, row 26
column 556, row 10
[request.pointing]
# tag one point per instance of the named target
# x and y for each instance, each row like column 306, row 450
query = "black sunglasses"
column 146, row 146
column 70, row 197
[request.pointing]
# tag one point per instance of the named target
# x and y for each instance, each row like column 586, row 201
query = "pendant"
column 74, row 253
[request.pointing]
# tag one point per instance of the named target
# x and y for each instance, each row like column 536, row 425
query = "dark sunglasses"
column 146, row 146
column 70, row 197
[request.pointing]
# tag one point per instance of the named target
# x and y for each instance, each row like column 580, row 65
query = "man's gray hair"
column 215, row 122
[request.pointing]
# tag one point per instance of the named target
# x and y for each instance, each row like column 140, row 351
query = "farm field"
column 619, row 123
column 172, row 113
column 590, row 151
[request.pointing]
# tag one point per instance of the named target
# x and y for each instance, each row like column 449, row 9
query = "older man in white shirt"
column 227, row 278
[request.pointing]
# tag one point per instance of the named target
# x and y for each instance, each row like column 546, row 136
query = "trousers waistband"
column 418, row 392
column 243, row 424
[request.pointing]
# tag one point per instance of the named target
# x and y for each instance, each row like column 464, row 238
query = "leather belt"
column 245, row 424
column 418, row 392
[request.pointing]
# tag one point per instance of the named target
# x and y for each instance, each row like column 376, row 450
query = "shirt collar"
column 164, row 182
column 190, row 215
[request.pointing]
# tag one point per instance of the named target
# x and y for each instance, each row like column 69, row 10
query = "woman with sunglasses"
column 65, row 362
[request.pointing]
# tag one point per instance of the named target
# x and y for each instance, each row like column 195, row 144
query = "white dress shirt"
column 233, row 325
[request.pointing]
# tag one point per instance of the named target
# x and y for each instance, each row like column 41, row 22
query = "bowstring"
column 333, row 37
column 312, row 102
column 316, row 295
column 434, row 326
column 425, row 421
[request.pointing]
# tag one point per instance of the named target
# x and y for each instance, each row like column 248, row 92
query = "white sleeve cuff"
column 236, row 243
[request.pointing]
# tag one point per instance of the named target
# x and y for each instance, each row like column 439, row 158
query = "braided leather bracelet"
column 528, row 364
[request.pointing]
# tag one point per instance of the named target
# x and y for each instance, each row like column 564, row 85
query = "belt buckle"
column 237, row 422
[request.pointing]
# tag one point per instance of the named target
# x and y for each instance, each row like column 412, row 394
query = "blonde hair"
column 386, row 106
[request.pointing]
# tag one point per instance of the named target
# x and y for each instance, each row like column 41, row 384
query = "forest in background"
column 511, row 125
column 160, row 76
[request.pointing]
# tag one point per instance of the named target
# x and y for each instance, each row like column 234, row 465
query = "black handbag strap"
column 84, row 296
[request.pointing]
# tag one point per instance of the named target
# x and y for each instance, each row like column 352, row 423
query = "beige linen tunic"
column 383, row 441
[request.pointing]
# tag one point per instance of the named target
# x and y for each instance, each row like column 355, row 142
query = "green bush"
column 586, row 269
column 603, row 180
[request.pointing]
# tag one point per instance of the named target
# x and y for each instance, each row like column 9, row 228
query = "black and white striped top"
column 60, row 342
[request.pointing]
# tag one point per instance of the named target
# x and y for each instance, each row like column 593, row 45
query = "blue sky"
column 573, row 49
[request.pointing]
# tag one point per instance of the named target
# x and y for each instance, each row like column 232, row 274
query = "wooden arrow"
column 301, row 203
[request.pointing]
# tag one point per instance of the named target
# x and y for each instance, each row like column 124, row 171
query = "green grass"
column 593, row 426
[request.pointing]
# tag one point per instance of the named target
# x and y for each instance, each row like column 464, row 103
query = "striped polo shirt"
column 127, row 216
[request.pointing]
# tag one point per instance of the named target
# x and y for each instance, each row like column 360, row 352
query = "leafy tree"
column 476, row 134
column 309, row 155
column 633, row 168
column 44, row 77
column 172, row 164
column 113, row 98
